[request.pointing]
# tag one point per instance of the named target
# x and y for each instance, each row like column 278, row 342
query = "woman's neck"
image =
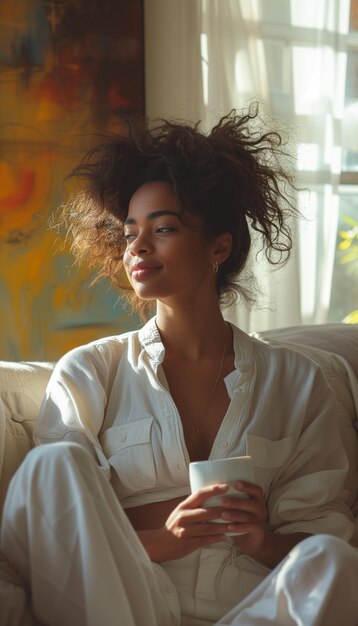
column 192, row 333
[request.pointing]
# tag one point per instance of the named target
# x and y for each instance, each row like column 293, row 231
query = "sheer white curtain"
column 204, row 57
column 235, row 74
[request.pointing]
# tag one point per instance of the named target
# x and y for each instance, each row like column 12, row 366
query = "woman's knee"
column 49, row 473
column 56, row 452
column 52, row 460
column 328, row 549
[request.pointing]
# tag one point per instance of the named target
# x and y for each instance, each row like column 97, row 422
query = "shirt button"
column 168, row 589
column 224, row 444
column 123, row 438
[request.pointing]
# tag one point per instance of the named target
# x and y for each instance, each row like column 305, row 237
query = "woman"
column 101, row 524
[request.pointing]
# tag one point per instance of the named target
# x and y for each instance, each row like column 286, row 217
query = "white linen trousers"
column 79, row 562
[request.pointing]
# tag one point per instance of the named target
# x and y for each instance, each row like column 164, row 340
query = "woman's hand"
column 186, row 528
column 190, row 526
column 249, row 516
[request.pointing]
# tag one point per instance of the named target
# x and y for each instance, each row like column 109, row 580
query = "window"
column 299, row 58
column 311, row 65
column 344, row 293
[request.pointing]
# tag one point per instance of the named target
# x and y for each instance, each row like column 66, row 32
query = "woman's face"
column 167, row 254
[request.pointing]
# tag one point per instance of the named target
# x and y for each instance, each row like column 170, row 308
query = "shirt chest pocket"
column 129, row 452
column 268, row 457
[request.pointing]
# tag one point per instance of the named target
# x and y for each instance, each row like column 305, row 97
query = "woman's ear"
column 222, row 248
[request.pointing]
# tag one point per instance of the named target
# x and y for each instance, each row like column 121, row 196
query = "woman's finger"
column 201, row 530
column 198, row 498
column 200, row 515
column 239, row 517
column 251, row 489
column 250, row 507
column 248, row 528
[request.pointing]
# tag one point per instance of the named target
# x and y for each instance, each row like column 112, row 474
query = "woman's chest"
column 149, row 440
column 201, row 398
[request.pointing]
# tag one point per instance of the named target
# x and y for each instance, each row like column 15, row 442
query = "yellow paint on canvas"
column 55, row 92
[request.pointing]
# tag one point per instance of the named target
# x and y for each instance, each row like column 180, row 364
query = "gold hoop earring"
column 215, row 267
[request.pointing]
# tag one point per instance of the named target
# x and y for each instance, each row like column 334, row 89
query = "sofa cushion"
column 22, row 387
column 17, row 443
column 340, row 339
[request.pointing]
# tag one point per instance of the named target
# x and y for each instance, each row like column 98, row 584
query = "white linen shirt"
column 111, row 396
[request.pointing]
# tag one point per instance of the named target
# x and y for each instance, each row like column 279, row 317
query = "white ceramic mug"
column 229, row 471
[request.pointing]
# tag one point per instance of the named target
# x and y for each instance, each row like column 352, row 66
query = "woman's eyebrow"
column 153, row 215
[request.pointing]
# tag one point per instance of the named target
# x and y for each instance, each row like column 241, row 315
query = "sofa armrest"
column 22, row 387
column 17, row 443
column 339, row 364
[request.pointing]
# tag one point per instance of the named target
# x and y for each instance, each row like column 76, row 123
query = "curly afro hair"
column 232, row 178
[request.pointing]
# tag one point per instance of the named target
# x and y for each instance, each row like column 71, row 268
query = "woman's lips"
column 141, row 272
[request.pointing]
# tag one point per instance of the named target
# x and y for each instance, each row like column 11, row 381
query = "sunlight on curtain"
column 291, row 57
column 319, row 59
column 236, row 75
column 205, row 57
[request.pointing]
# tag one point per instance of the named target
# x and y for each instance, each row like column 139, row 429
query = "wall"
column 170, row 65
column 66, row 68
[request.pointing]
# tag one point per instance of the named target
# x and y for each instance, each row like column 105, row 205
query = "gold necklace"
column 198, row 431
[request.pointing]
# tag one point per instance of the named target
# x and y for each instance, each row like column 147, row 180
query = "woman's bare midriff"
column 153, row 515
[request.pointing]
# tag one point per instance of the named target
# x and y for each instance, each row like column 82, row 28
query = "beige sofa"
column 333, row 346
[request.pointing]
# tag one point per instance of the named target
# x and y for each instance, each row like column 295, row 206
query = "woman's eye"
column 164, row 229
column 128, row 236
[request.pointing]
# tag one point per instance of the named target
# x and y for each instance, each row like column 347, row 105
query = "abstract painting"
column 67, row 67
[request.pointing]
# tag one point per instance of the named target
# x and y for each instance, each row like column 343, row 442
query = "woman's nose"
column 140, row 245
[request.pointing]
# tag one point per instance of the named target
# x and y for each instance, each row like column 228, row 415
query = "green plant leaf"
column 348, row 219
column 351, row 318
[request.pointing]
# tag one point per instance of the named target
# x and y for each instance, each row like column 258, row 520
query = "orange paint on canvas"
column 20, row 194
column 115, row 99
column 65, row 75
column 25, row 192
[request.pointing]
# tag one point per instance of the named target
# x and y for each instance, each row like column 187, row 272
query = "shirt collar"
column 243, row 361
column 151, row 341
